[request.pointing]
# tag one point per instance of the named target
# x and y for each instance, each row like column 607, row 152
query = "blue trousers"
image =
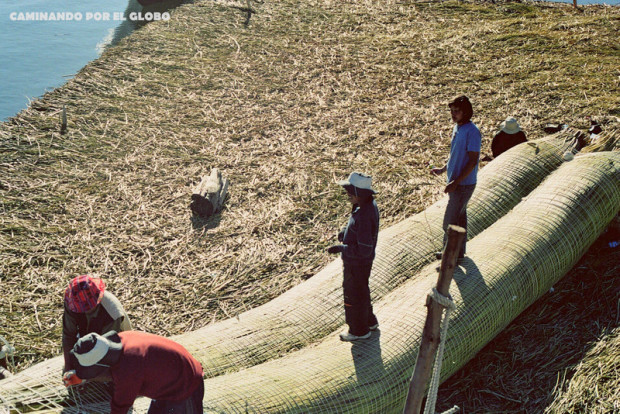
column 456, row 212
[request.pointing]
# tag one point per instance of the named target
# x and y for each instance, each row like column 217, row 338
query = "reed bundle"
column 305, row 93
column 509, row 266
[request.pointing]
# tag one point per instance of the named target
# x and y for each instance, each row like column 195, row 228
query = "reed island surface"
column 285, row 97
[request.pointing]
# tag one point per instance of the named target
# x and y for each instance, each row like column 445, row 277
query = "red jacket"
column 154, row 367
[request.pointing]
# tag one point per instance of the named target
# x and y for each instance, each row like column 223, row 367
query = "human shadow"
column 469, row 280
column 202, row 223
column 367, row 359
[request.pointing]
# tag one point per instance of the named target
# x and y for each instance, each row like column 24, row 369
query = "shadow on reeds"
column 200, row 223
column 128, row 25
column 367, row 359
column 528, row 366
column 468, row 278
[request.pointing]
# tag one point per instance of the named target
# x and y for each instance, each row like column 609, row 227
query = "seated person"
column 509, row 136
column 89, row 308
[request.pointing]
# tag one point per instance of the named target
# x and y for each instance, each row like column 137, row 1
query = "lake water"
column 38, row 55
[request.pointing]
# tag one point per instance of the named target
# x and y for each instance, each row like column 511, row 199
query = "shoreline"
column 92, row 30
column 165, row 16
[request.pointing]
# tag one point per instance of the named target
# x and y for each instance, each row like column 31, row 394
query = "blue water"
column 37, row 56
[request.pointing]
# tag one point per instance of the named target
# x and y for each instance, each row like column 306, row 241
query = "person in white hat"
column 509, row 136
column 357, row 250
column 139, row 363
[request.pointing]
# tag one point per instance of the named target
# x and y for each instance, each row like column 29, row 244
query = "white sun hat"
column 510, row 125
column 93, row 353
column 358, row 180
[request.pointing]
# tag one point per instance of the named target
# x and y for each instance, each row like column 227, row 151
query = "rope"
column 447, row 303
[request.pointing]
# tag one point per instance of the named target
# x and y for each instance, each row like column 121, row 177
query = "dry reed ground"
column 309, row 91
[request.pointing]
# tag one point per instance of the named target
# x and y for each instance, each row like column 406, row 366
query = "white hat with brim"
column 510, row 125
column 358, row 180
column 93, row 353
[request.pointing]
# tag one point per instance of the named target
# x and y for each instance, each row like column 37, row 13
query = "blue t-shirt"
column 465, row 138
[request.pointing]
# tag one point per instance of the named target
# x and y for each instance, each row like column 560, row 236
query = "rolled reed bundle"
column 313, row 309
column 508, row 267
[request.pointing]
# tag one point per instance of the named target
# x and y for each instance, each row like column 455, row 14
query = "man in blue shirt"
column 462, row 166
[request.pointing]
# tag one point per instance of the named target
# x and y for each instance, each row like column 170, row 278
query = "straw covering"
column 510, row 265
column 319, row 379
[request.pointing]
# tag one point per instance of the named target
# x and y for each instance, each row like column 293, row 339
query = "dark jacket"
column 503, row 142
column 360, row 235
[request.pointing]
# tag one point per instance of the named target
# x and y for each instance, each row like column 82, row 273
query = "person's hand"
column 341, row 236
column 70, row 378
column 451, row 187
column 335, row 249
column 437, row 171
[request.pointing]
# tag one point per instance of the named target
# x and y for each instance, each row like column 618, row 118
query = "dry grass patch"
column 306, row 93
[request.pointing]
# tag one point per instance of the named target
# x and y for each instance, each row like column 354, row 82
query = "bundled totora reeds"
column 509, row 265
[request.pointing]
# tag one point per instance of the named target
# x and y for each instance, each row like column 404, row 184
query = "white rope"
column 431, row 399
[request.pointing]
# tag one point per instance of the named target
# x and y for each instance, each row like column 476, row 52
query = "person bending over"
column 141, row 364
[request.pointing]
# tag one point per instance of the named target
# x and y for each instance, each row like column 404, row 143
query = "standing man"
column 357, row 250
column 89, row 308
column 462, row 167
column 142, row 364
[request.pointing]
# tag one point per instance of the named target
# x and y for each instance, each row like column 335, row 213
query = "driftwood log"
column 208, row 196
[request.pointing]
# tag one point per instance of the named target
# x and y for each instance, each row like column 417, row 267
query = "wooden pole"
column 430, row 334
column 63, row 120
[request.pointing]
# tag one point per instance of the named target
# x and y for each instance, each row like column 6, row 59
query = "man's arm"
column 114, row 308
column 69, row 337
column 121, row 324
column 472, row 160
